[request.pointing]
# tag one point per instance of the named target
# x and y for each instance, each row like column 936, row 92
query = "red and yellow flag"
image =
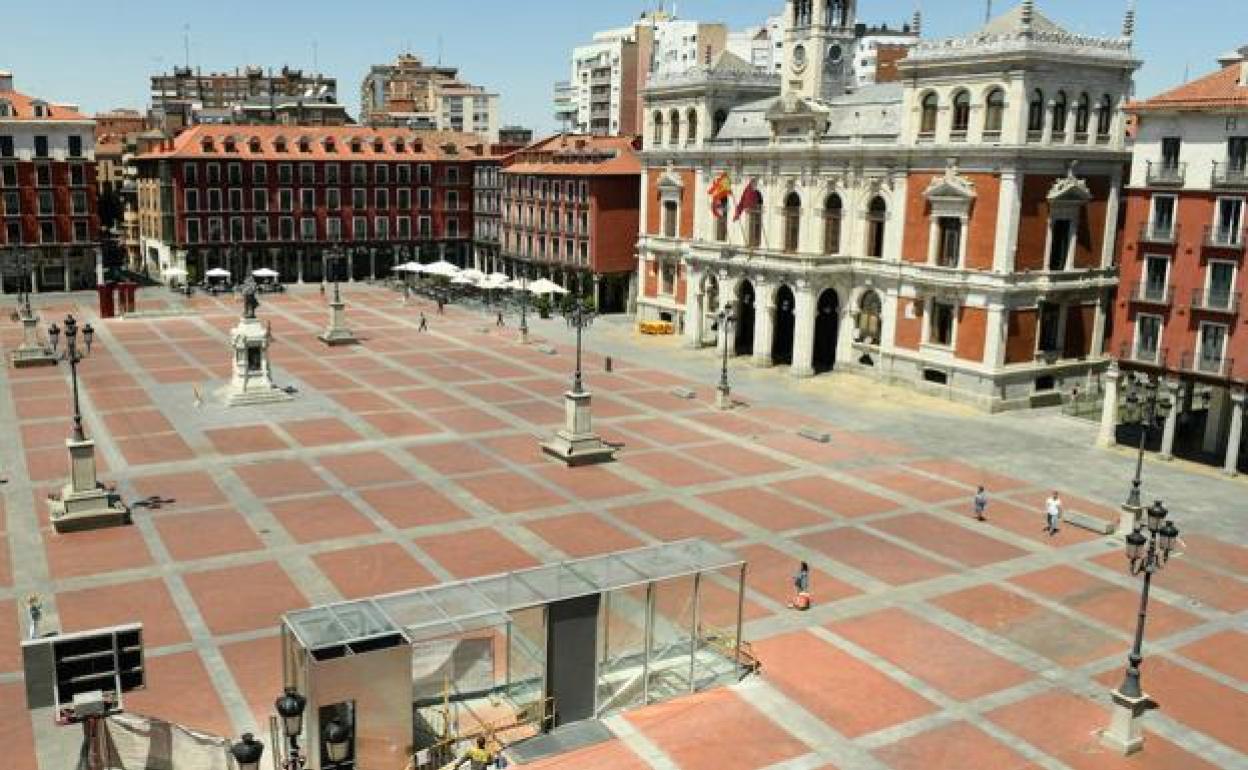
column 720, row 191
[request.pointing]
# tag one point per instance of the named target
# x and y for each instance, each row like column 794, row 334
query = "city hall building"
column 954, row 230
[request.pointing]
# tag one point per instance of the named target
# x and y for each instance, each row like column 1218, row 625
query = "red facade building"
column 47, row 192
column 570, row 210
column 288, row 197
column 1179, row 315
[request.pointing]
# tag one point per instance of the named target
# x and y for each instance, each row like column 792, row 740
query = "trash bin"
column 606, row 364
column 125, row 295
column 107, row 306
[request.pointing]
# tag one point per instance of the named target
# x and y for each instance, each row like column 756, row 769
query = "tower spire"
column 1029, row 13
column 916, row 22
column 1128, row 21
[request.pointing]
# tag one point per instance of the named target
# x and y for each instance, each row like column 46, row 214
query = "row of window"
column 81, row 231
column 43, row 175
column 1208, row 358
column 243, row 229
column 994, row 112
column 562, row 250
column 309, row 199
column 304, row 145
column 1227, row 229
column 543, row 189
column 1217, row 294
column 42, row 146
column 330, row 174
column 548, row 219
column 45, row 205
column 673, row 123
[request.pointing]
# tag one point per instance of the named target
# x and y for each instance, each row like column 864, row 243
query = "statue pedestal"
column 577, row 444
column 723, row 398
column 337, row 332
column 84, row 504
column 1125, row 734
column 252, row 380
column 31, row 352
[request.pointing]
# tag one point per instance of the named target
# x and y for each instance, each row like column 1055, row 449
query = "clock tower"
column 818, row 48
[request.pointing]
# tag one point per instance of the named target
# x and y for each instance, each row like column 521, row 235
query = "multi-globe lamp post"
column 290, row 706
column 1145, row 405
column 723, row 393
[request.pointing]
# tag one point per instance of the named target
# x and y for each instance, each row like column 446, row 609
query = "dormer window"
column 305, row 145
column 41, row 109
column 279, row 144
column 229, row 144
column 379, row 146
column 6, row 109
column 206, row 144
column 330, row 146
column 357, row 145
column 253, row 145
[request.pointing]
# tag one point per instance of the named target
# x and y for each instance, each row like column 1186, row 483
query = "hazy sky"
column 100, row 53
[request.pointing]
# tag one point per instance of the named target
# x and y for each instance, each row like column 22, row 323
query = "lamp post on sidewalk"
column 1146, row 554
column 580, row 317
column 73, row 356
column 723, row 393
column 1145, row 405
column 524, row 302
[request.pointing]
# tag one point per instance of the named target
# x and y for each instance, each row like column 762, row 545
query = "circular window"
column 799, row 58
column 834, row 54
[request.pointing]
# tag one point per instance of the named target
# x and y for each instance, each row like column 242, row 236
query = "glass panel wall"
column 622, row 625
column 675, row 605
column 526, row 657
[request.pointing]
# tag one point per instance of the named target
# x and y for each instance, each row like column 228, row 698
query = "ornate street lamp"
column 723, row 392
column 524, row 301
column 580, row 317
column 290, row 705
column 73, row 355
column 1148, row 548
column 247, row 752
column 1145, row 406
column 337, row 742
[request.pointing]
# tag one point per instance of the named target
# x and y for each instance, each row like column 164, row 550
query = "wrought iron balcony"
column 1135, row 354
column 1166, row 173
column 1200, row 362
column 1232, row 174
column 1159, row 232
column 1216, row 300
column 1146, row 293
column 1217, row 237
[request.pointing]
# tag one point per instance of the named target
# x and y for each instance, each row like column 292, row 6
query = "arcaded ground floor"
column 935, row 641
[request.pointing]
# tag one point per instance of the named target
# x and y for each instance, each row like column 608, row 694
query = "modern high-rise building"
column 412, row 94
column 251, row 96
column 47, row 193
column 761, row 46
column 602, row 95
column 953, row 231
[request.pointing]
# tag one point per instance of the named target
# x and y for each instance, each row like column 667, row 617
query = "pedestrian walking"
column 441, row 305
column 499, row 320
column 34, row 612
column 322, row 288
column 980, row 504
column 1052, row 514
column 424, row 323
column 801, row 584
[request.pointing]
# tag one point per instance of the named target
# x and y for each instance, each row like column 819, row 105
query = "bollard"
column 606, row 364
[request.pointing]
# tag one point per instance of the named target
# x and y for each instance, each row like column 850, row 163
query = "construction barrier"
column 656, row 327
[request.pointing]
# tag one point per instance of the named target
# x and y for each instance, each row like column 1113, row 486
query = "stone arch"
column 691, row 125
column 827, row 330
column 746, row 301
column 877, row 225
column 929, row 110
column 673, row 130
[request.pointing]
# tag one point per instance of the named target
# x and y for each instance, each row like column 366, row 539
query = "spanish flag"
column 720, row 191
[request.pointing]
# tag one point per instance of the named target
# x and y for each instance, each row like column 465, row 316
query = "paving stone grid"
column 935, row 641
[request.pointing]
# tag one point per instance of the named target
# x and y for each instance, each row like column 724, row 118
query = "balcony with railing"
column 1231, row 174
column 1216, row 300
column 1229, row 238
column 1159, row 232
column 1165, row 173
column 1143, row 356
column 1207, row 363
column 1149, row 293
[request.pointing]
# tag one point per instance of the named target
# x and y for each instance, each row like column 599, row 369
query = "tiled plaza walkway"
column 936, row 642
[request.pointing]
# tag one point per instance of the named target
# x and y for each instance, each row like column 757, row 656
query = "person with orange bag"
column 801, row 583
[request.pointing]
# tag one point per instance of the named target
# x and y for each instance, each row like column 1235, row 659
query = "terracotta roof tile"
column 577, row 155
column 234, row 142
column 1224, row 88
column 24, row 108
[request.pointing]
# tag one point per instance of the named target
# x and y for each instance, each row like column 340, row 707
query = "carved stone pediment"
column 950, row 195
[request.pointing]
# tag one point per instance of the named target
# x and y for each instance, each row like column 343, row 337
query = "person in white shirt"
column 1052, row 513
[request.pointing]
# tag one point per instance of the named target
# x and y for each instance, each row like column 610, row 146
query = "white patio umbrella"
column 407, row 267
column 464, row 280
column 264, row 272
column 544, row 286
column 176, row 272
column 495, row 281
column 218, row 272
column 441, row 267
column 498, row 277
column 473, row 273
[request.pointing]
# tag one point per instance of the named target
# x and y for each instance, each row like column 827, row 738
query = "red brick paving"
column 324, row 517
column 523, row 448
column 766, row 509
column 611, row 755
column 412, row 505
column 582, row 534
column 188, row 490
column 325, row 431
column 1109, row 603
column 1225, row 651
column 39, row 408
column 1029, row 625
column 12, row 631
column 468, row 420
column 401, row 424
column 363, row 401
column 280, row 478
column 1186, row 579
column 665, row 432
column 170, row 678
column 16, row 734
column 770, row 573
column 206, row 533
column 50, row 433
column 510, row 492
column 233, row 599
column 52, row 464
column 834, row 497
column 141, row 421
column 454, row 458
column 372, row 570
column 589, row 482
column 671, row 468
column 874, row 556
column 6, row 570
column 142, row 601
column 1065, row 726
column 1215, row 553
column 956, row 746
column 969, row 475
column 848, row 695
column 80, row 553
column 245, row 440
column 736, row 460
column 914, row 485
column 948, row 539
column 474, row 552
column 1027, row 521
column 668, row 521
column 257, row 668
column 364, row 469
column 723, row 719
column 149, row 449
column 959, row 668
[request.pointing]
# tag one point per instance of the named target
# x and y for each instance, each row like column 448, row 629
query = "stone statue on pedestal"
column 250, row 301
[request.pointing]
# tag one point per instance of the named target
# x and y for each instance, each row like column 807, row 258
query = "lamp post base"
column 1124, row 734
column 31, row 352
column 723, row 398
column 92, row 509
column 577, row 444
column 337, row 332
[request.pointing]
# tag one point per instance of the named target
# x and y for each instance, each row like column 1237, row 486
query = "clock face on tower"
column 799, row 58
column 834, row 54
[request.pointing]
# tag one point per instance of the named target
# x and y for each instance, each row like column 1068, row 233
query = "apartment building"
column 410, row 93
